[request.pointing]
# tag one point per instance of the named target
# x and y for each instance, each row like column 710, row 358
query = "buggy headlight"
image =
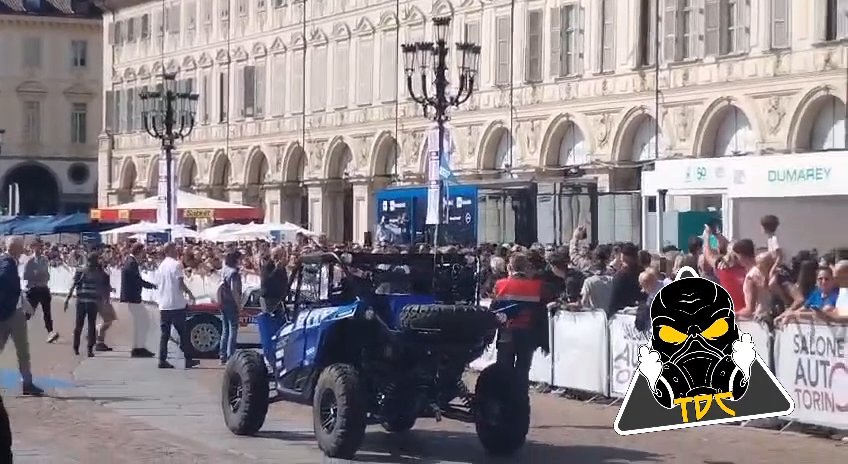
column 370, row 314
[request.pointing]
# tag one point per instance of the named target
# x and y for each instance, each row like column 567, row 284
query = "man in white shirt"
column 840, row 272
column 171, row 295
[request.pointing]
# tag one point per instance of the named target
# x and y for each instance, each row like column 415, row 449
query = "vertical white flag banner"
column 162, row 203
column 434, row 191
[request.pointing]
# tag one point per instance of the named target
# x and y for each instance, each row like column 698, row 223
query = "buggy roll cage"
column 436, row 265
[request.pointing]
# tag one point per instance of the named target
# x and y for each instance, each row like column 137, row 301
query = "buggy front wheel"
column 339, row 411
column 244, row 393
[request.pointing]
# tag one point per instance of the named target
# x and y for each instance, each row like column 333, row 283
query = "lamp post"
column 422, row 58
column 168, row 115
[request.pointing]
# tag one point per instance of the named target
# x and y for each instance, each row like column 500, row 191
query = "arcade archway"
column 38, row 188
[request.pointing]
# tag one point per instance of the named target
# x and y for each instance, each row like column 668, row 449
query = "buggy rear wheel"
column 244, row 393
column 339, row 411
column 501, row 410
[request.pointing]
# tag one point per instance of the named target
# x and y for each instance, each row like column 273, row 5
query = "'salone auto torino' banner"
column 812, row 365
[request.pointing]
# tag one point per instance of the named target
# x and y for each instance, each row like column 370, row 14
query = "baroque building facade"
column 303, row 108
column 50, row 95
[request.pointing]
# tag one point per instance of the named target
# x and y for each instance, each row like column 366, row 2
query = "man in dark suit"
column 13, row 312
column 131, row 286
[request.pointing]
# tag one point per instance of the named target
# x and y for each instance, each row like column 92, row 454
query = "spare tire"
column 457, row 322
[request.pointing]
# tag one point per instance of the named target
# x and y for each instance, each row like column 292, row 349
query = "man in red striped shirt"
column 522, row 295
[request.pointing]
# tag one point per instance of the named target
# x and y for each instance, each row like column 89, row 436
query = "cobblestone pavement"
column 137, row 413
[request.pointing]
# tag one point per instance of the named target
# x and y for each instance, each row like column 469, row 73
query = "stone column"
column 235, row 195
column 333, row 210
column 274, row 204
column 363, row 209
column 315, row 196
column 140, row 194
column 291, row 198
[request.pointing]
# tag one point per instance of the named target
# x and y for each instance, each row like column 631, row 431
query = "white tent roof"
column 177, row 231
column 185, row 200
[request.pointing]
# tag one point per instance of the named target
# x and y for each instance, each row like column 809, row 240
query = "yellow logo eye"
column 670, row 335
column 719, row 328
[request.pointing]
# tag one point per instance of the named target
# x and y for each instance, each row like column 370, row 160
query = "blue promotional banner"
column 394, row 221
column 158, row 238
column 90, row 239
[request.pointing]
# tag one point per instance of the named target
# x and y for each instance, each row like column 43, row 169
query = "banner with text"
column 162, row 204
column 625, row 341
column 811, row 363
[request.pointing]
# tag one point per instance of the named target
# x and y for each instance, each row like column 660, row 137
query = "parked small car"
column 203, row 326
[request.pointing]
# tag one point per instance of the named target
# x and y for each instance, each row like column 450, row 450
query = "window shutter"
column 556, row 42
column 670, row 31
column 109, row 110
column 259, row 97
column 533, row 52
column 223, row 96
column 131, row 113
column 121, row 112
column 389, row 67
column 145, row 26
column 297, row 82
column 608, row 31
column 779, row 24
column 319, row 80
column 743, row 25
column 580, row 59
column 110, row 34
column 724, row 45
column 278, row 84
column 341, row 74
column 712, row 9
column 503, row 51
column 240, row 93
column 249, row 84
column 204, row 98
column 841, row 19
column 364, row 75
column 472, row 35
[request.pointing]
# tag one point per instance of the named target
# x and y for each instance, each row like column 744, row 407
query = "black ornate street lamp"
column 168, row 115
column 420, row 58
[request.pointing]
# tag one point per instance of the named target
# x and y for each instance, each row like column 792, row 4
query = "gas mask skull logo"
column 696, row 349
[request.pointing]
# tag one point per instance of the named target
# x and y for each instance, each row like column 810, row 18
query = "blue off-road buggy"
column 379, row 339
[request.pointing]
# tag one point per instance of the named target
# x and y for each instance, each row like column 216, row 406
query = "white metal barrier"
column 624, row 343
column 579, row 347
column 812, row 365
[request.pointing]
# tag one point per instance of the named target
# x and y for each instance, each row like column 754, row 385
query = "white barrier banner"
column 625, row 341
column 580, row 351
column 762, row 339
column 812, row 365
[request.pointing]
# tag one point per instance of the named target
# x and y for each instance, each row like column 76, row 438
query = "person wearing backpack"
column 230, row 300
column 13, row 313
column 91, row 284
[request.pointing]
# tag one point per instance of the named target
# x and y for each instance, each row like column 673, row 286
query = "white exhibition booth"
column 808, row 192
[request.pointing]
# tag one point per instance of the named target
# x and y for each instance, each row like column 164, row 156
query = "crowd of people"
column 764, row 284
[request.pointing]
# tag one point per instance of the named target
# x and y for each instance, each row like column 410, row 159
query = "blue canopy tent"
column 35, row 225
column 77, row 223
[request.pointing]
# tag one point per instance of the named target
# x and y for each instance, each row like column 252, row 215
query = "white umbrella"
column 138, row 228
column 213, row 233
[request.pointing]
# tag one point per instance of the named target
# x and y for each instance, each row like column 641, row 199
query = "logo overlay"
column 698, row 369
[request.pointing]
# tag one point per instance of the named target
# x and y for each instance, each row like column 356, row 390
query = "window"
column 607, row 55
column 725, row 27
column 79, row 124
column 836, row 20
column 248, row 89
column 341, row 74
column 318, row 81
column 503, row 52
column 533, row 52
column 119, row 33
column 32, row 122
column 389, row 66
column 131, row 30
column 109, row 110
column 204, row 98
column 173, row 19
column 279, row 3
column 242, row 7
column 224, row 7
column 131, row 116
column 223, row 96
column 32, row 52
column 779, row 24
column 365, row 63
column 472, row 35
column 298, row 96
column 566, row 41
column 145, row 27
column 278, row 84
column 678, row 30
column 79, row 53
column 647, row 33
column 120, row 122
